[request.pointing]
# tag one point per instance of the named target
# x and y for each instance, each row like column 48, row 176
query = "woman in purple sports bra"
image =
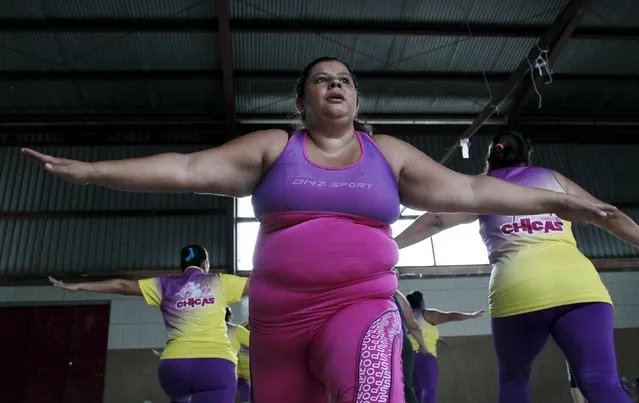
column 321, row 311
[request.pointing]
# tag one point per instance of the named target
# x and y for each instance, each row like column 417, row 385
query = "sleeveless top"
column 295, row 183
column 535, row 259
column 430, row 333
column 325, row 236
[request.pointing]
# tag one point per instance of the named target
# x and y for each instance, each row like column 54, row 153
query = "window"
column 246, row 231
column 461, row 245
column 419, row 254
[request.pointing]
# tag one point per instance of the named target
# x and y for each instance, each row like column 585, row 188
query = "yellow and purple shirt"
column 430, row 333
column 535, row 259
column 240, row 339
column 194, row 307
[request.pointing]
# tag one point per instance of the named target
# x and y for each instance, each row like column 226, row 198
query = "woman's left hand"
column 579, row 210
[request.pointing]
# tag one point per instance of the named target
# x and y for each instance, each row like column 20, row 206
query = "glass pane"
column 419, row 254
column 245, row 244
column 460, row 245
column 245, row 208
column 409, row 212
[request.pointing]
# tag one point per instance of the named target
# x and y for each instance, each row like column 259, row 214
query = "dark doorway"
column 53, row 354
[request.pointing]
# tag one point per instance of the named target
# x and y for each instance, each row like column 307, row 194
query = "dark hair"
column 507, row 149
column 192, row 255
column 300, row 91
column 415, row 299
column 227, row 317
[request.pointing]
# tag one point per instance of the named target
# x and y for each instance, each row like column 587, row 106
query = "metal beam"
column 160, row 128
column 228, row 87
column 29, row 279
column 203, row 75
column 143, row 121
column 548, row 40
column 98, row 214
column 106, row 119
column 108, row 25
column 307, row 26
column 525, row 91
column 602, row 265
column 571, row 130
column 226, row 61
column 26, row 278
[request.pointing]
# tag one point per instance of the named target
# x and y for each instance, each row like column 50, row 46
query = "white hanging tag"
column 464, row 144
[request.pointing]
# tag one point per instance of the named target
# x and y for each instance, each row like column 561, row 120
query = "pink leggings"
column 355, row 356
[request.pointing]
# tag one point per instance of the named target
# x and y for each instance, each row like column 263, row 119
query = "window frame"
column 434, row 268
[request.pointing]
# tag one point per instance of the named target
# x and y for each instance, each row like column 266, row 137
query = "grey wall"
column 468, row 368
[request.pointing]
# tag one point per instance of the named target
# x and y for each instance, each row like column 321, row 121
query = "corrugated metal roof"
column 108, row 51
column 423, row 97
column 437, row 145
column 512, row 12
column 108, row 9
column 263, row 97
column 106, row 245
column 539, row 12
column 574, row 100
column 459, row 54
column 207, row 137
column 590, row 165
column 27, row 188
column 29, row 52
column 292, row 52
column 380, row 52
column 374, row 10
column 624, row 13
column 595, row 56
column 599, row 244
column 192, row 96
column 607, row 171
column 277, row 96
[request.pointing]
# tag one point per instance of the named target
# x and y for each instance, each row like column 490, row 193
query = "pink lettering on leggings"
column 376, row 359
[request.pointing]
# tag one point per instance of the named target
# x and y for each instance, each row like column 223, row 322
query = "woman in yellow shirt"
column 198, row 364
column 541, row 284
column 240, row 343
column 426, row 370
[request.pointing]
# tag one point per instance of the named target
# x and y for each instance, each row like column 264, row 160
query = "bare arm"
column 618, row 224
column 116, row 286
column 430, row 224
column 232, row 169
column 409, row 320
column 426, row 185
column 247, row 287
column 437, row 317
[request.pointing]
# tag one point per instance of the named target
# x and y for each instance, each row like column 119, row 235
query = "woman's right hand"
column 60, row 284
column 73, row 171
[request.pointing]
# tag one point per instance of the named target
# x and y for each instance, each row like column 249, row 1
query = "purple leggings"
column 244, row 389
column 583, row 332
column 425, row 375
column 198, row 380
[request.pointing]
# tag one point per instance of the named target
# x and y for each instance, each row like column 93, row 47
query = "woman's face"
column 330, row 93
